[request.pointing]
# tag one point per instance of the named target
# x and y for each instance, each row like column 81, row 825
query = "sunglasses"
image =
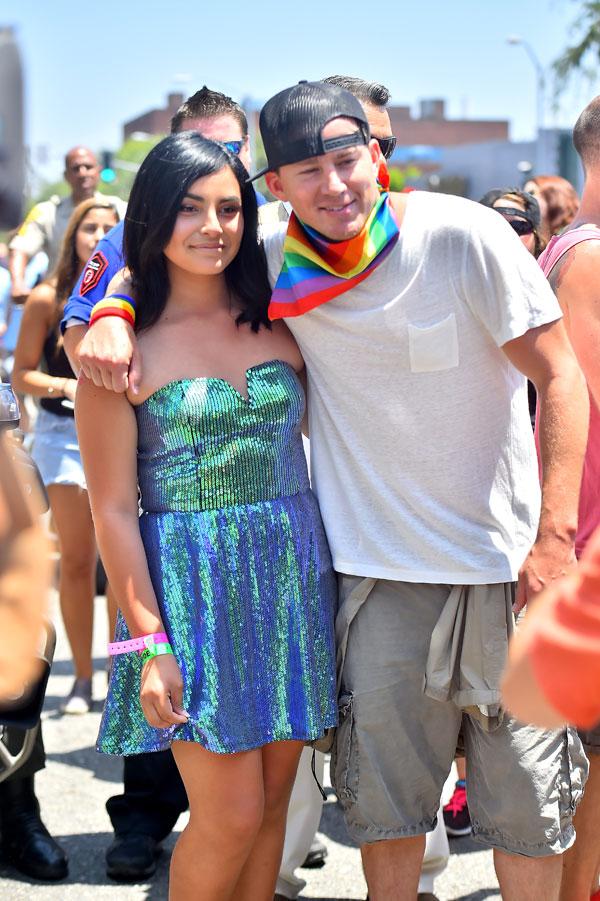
column 387, row 145
column 233, row 146
column 520, row 226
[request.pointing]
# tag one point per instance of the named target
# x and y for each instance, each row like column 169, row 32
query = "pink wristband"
column 137, row 644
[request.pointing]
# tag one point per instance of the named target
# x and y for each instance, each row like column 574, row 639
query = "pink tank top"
column 589, row 500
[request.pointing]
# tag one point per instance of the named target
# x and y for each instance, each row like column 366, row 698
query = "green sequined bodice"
column 203, row 446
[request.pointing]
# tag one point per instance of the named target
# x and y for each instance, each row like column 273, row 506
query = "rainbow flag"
column 316, row 269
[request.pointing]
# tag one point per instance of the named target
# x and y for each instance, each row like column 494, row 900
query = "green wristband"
column 155, row 651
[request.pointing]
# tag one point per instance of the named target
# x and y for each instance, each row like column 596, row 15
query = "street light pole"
column 515, row 39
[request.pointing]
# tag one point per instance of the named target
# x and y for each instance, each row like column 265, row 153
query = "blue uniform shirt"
column 104, row 263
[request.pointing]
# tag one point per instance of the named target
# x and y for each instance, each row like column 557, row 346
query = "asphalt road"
column 77, row 781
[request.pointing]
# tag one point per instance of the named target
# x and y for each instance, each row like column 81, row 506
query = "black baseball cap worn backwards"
column 291, row 123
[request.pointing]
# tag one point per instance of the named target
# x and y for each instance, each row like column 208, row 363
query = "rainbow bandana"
column 316, row 270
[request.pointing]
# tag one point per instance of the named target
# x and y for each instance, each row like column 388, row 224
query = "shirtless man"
column 572, row 264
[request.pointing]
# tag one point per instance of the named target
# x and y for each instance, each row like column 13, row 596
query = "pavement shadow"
column 332, row 821
column 87, row 867
column 103, row 766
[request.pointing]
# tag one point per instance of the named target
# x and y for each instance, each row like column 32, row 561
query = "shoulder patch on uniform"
column 32, row 216
column 93, row 272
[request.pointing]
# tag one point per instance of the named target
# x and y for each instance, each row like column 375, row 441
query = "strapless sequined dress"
column 240, row 566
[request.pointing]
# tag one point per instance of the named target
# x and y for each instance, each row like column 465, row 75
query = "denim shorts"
column 395, row 745
column 55, row 450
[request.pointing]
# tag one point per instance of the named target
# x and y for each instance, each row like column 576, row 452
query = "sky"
column 91, row 66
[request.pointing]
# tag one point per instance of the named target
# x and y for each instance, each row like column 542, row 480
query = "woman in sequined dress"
column 228, row 556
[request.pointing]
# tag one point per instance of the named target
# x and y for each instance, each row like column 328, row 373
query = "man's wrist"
column 120, row 305
column 563, row 533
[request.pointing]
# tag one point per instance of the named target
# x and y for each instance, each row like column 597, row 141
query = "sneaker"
column 315, row 859
column 456, row 812
column 79, row 699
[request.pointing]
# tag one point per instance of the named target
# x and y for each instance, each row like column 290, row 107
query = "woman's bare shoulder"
column 43, row 296
column 41, row 303
column 286, row 343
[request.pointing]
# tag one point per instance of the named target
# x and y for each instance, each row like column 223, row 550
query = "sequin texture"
column 240, row 566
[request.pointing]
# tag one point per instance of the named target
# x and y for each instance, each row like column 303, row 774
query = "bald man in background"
column 45, row 224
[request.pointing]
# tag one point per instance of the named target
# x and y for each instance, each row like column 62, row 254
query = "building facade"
column 155, row 121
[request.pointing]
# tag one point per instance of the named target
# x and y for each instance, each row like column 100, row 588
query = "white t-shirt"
column 422, row 451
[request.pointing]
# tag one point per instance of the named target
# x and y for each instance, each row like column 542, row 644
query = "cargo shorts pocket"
column 344, row 758
column 573, row 775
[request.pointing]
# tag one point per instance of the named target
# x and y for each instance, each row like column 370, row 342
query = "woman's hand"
column 69, row 389
column 161, row 693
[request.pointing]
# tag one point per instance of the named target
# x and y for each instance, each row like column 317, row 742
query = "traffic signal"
column 107, row 172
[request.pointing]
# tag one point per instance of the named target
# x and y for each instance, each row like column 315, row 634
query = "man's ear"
column 375, row 151
column 274, row 185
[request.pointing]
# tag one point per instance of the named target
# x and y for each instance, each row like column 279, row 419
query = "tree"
column 401, row 176
column 131, row 154
column 583, row 55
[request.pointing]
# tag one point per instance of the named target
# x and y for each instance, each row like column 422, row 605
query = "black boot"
column 132, row 857
column 25, row 841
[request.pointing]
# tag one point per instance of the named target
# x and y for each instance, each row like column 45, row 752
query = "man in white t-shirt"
column 425, row 469
column 417, row 345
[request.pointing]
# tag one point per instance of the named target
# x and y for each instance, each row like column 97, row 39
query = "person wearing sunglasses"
column 374, row 99
column 522, row 212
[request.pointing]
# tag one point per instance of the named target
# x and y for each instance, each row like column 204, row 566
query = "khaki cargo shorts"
column 395, row 745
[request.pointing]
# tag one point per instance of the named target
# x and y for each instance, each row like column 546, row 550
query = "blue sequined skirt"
column 248, row 598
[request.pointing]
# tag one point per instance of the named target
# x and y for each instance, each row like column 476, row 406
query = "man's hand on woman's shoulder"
column 109, row 354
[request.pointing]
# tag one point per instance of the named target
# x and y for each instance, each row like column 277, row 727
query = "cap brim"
column 516, row 213
column 259, row 174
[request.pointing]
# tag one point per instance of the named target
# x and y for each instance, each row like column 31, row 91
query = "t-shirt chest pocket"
column 433, row 347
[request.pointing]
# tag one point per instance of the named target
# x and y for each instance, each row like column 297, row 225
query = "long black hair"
column 158, row 190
